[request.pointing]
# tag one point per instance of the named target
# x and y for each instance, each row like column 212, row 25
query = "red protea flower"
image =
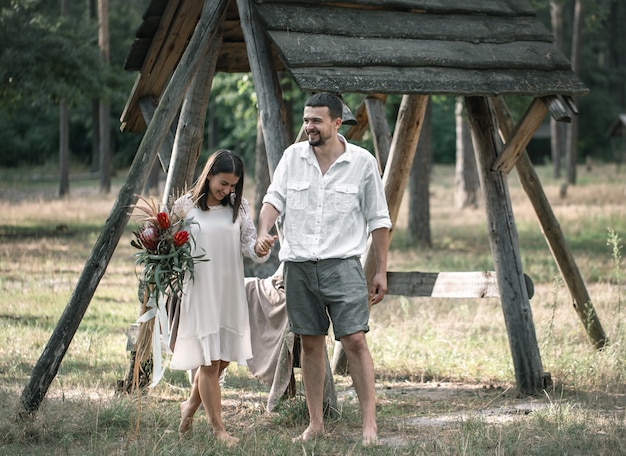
column 164, row 220
column 149, row 237
column 181, row 238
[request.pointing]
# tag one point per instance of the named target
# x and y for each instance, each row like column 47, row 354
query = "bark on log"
column 272, row 110
column 503, row 239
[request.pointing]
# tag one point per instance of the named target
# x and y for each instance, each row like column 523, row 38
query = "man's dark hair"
column 332, row 102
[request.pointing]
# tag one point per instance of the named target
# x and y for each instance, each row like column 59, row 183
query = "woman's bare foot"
column 309, row 433
column 226, row 438
column 186, row 419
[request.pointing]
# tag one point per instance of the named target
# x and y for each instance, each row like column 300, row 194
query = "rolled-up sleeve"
column 376, row 210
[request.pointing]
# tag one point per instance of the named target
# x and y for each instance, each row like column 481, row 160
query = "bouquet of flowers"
column 164, row 242
column 165, row 245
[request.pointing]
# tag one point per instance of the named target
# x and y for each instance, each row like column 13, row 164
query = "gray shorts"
column 318, row 292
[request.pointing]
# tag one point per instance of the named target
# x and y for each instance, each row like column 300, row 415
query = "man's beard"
column 320, row 141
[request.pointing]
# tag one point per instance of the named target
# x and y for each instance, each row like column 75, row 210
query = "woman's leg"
column 188, row 408
column 208, row 382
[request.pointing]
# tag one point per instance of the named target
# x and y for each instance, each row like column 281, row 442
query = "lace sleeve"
column 248, row 234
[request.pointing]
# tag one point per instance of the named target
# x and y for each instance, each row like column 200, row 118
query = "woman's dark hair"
column 222, row 161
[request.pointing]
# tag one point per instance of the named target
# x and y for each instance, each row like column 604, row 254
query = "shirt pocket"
column 346, row 197
column 297, row 195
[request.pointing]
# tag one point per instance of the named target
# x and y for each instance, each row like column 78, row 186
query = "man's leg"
column 313, row 372
column 361, row 369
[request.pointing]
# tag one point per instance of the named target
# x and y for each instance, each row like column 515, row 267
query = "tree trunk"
column 418, row 230
column 558, row 130
column 64, row 136
column 572, row 136
column 105, row 107
column 466, row 183
column 64, row 150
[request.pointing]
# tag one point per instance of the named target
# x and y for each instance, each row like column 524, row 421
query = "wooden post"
column 190, row 130
column 48, row 364
column 553, row 234
column 272, row 111
column 504, row 247
column 405, row 138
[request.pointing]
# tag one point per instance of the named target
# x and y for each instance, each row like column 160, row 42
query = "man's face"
column 318, row 125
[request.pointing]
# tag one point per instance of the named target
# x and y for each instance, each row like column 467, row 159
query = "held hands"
column 264, row 244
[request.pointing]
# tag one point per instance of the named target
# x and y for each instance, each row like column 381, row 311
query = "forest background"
column 50, row 55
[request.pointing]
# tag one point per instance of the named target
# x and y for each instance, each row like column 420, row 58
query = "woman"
column 214, row 329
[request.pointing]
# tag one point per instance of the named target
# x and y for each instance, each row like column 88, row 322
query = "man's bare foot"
column 370, row 437
column 186, row 419
column 309, row 433
column 226, row 438
column 370, row 441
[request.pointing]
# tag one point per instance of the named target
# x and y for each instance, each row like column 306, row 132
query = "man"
column 331, row 197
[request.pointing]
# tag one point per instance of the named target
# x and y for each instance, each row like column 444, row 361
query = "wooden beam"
column 503, row 240
column 172, row 35
column 147, row 106
column 552, row 233
column 558, row 109
column 48, row 364
column 521, row 136
column 479, row 284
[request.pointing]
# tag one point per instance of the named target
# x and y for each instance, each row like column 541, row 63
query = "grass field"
column 445, row 380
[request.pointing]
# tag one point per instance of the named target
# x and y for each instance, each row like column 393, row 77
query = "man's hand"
column 378, row 288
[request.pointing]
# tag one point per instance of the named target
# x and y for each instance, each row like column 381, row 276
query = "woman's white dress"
column 214, row 322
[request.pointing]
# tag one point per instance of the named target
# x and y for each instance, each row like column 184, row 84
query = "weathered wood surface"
column 176, row 25
column 473, row 28
column 147, row 106
column 552, row 232
column 48, row 364
column 438, row 81
column 311, row 51
column 381, row 134
column 370, row 47
column 190, row 128
column 503, row 240
column 520, row 136
column 478, row 284
column 496, row 7
column 272, row 112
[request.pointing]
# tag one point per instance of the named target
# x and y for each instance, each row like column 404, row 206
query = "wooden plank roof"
column 470, row 47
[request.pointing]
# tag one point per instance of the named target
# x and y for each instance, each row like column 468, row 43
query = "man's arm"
column 264, row 240
column 380, row 242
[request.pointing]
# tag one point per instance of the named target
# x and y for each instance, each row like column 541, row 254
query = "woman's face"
column 220, row 186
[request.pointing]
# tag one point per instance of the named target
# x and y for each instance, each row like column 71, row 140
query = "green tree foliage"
column 45, row 58
column 41, row 58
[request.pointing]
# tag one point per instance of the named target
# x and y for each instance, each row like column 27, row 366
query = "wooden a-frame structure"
column 480, row 49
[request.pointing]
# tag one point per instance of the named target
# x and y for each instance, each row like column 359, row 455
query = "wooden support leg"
column 553, row 234
column 504, row 247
